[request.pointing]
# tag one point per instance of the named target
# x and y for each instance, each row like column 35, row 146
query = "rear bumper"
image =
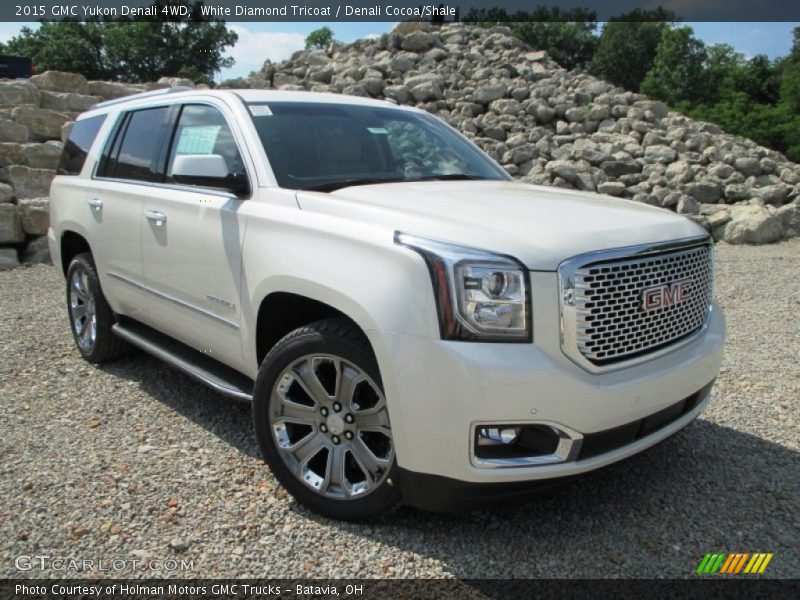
column 445, row 494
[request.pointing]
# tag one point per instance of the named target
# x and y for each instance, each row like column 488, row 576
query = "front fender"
column 355, row 268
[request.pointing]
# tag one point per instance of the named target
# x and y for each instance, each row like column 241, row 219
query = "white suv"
column 410, row 324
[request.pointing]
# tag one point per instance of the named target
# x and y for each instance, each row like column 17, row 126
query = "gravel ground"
column 136, row 461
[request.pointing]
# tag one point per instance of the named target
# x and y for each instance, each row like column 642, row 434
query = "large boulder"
column 176, row 82
column 28, row 182
column 59, row 81
column 6, row 193
column 418, row 41
column 789, row 216
column 13, row 132
column 35, row 215
column 408, row 27
column 750, row 224
column 11, row 231
column 17, row 93
column 67, row 102
column 11, row 154
column 42, row 156
column 489, row 93
column 37, row 252
column 42, row 124
column 110, row 90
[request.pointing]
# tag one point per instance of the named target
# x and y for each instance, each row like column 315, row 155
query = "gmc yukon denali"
column 409, row 323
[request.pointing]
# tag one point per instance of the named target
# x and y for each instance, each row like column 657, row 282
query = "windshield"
column 319, row 146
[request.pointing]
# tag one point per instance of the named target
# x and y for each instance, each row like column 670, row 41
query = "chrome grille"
column 605, row 301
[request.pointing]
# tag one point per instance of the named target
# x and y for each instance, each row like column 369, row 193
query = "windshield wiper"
column 332, row 186
column 449, row 177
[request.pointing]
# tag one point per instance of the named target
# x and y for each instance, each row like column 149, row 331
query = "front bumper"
column 445, row 494
column 438, row 391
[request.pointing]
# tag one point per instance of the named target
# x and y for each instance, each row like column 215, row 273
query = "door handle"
column 95, row 203
column 155, row 216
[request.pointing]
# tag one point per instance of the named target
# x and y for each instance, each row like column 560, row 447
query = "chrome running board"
column 197, row 365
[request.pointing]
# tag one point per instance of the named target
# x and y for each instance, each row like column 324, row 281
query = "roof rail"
column 160, row 92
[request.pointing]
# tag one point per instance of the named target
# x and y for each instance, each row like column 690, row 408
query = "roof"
column 247, row 95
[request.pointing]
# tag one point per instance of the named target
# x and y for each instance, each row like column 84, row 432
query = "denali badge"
column 662, row 296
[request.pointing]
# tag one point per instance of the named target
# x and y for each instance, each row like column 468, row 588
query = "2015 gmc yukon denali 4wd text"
column 409, row 323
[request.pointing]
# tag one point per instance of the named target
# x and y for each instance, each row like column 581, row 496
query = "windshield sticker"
column 378, row 130
column 199, row 139
column 260, row 110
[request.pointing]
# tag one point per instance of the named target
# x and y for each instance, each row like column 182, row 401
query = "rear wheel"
column 322, row 422
column 90, row 316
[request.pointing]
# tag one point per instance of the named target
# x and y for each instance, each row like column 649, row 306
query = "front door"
column 192, row 239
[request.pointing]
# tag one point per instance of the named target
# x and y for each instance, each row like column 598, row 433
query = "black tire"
column 105, row 346
column 340, row 338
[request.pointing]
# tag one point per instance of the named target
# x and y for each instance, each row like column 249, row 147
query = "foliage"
column 628, row 45
column 319, row 39
column 133, row 49
column 677, row 72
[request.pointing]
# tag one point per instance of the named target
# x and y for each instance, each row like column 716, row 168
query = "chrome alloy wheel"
column 82, row 309
column 331, row 426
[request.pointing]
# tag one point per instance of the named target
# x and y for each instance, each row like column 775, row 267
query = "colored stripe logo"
column 735, row 563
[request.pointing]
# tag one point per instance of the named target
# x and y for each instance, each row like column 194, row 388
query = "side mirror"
column 199, row 165
column 208, row 170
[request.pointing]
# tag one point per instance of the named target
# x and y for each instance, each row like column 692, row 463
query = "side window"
column 204, row 152
column 132, row 152
column 81, row 137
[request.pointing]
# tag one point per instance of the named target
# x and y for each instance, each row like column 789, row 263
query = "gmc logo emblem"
column 663, row 296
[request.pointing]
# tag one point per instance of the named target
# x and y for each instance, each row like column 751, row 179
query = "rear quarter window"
column 80, row 139
column 131, row 154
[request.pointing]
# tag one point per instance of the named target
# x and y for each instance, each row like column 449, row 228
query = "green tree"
column 628, row 46
column 135, row 50
column 677, row 72
column 759, row 79
column 319, row 39
column 722, row 64
column 64, row 46
column 570, row 43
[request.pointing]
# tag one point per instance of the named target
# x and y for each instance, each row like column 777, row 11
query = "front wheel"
column 322, row 422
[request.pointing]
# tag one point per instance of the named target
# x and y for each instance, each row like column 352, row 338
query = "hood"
column 540, row 226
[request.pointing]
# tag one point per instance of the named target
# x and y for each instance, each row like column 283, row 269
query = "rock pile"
column 550, row 126
column 544, row 124
column 35, row 118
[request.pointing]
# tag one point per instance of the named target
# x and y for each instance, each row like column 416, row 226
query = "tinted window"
column 132, row 153
column 202, row 137
column 325, row 146
column 81, row 137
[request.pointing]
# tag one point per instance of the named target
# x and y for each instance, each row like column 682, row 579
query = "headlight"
column 480, row 296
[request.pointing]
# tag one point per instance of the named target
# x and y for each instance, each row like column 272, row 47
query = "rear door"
column 123, row 179
column 193, row 234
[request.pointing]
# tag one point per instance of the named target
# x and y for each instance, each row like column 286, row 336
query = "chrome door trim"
column 168, row 298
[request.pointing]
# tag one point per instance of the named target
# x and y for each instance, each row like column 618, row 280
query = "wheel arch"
column 71, row 244
column 281, row 312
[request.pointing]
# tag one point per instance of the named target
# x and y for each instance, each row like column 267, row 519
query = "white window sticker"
column 378, row 130
column 198, row 139
column 260, row 110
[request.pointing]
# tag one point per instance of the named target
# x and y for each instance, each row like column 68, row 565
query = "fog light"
column 488, row 436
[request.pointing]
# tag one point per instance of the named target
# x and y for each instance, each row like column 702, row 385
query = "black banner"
column 180, row 589
column 389, row 10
